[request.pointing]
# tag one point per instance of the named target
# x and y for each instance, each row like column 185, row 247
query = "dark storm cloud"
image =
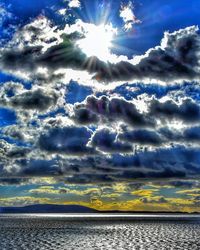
column 166, row 162
column 111, row 109
column 161, row 136
column 3, row 145
column 102, row 109
column 29, row 58
column 20, row 59
column 184, row 183
column 11, row 151
column 14, row 132
column 66, row 140
column 187, row 135
column 12, row 181
column 142, row 137
column 85, row 116
column 170, row 135
column 18, row 152
column 105, row 141
column 175, row 59
column 37, row 167
column 38, row 99
column 10, row 155
column 192, row 134
column 124, row 175
column 89, row 178
column 63, row 55
column 187, row 111
column 163, row 163
column 35, row 99
column 16, row 163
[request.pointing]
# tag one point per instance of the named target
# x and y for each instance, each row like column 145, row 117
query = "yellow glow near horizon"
column 98, row 41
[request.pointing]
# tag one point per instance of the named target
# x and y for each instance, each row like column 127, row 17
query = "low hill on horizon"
column 40, row 208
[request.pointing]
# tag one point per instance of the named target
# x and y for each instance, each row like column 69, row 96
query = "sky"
column 100, row 104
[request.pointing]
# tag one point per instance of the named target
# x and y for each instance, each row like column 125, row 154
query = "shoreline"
column 103, row 217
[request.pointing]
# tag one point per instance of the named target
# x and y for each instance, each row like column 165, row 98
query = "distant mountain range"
column 48, row 209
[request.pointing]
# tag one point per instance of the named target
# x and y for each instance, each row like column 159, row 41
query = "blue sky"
column 100, row 92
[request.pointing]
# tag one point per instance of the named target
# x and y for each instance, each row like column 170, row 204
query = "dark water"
column 61, row 233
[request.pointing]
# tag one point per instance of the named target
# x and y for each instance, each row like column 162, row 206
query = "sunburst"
column 97, row 40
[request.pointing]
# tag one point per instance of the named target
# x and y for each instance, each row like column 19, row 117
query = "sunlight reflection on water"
column 53, row 232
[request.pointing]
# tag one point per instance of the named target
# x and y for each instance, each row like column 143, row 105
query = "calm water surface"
column 65, row 232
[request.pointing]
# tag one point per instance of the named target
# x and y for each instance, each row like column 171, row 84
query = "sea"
column 102, row 231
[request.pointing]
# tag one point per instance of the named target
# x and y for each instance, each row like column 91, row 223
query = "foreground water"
column 90, row 232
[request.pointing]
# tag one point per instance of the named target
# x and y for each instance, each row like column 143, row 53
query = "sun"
column 97, row 41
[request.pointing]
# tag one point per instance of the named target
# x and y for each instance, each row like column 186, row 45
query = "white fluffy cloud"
column 74, row 4
column 128, row 16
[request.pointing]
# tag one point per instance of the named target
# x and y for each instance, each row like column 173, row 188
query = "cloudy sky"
column 100, row 104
